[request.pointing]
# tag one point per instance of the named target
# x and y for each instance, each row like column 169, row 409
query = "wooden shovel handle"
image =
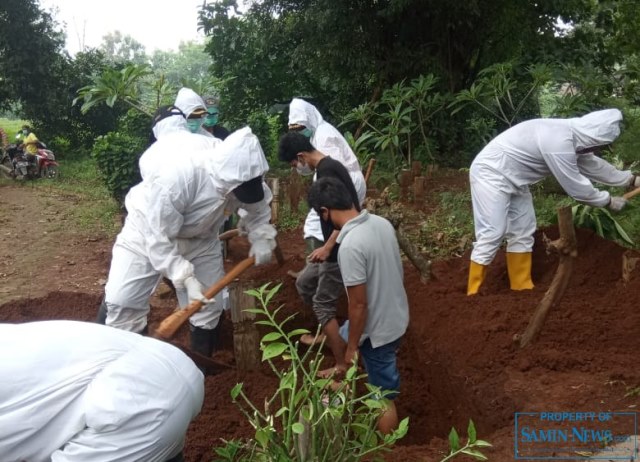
column 631, row 194
column 170, row 325
column 228, row 234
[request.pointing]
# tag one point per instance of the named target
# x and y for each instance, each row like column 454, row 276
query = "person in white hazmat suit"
column 524, row 154
column 194, row 109
column 79, row 394
column 325, row 138
column 172, row 226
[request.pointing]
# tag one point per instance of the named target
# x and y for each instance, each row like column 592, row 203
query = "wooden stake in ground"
column 246, row 338
column 405, row 184
column 367, row 175
column 566, row 247
column 275, row 202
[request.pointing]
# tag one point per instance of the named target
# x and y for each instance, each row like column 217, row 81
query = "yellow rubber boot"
column 477, row 273
column 519, row 269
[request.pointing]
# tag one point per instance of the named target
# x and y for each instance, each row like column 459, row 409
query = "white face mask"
column 303, row 169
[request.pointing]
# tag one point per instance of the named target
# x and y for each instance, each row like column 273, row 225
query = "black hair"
column 291, row 143
column 329, row 193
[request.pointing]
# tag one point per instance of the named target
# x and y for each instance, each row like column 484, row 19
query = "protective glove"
column 242, row 228
column 617, row 203
column 263, row 241
column 195, row 291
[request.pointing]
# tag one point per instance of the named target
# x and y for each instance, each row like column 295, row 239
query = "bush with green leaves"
column 306, row 419
column 267, row 127
column 116, row 155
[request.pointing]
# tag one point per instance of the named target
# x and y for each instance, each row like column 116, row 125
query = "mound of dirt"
column 458, row 359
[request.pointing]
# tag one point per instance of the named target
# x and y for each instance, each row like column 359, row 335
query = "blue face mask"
column 307, row 132
column 194, row 124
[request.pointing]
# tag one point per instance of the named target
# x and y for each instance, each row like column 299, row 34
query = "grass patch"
column 448, row 230
column 290, row 219
column 11, row 127
column 96, row 211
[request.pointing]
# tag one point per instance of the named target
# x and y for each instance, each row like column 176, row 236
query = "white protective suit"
column 188, row 101
column 526, row 153
column 329, row 141
column 174, row 217
column 82, row 392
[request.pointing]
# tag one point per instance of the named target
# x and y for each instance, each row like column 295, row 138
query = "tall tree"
column 30, row 47
column 121, row 48
column 346, row 51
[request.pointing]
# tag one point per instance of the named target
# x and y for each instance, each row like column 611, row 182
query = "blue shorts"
column 380, row 363
column 382, row 367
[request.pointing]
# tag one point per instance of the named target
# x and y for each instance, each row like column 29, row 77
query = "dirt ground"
column 457, row 361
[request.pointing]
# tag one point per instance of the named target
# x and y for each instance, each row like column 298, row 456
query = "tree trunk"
column 413, row 254
column 566, row 247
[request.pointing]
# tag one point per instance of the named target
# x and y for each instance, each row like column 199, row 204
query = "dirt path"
column 41, row 251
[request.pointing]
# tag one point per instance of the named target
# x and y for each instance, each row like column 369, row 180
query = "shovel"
column 170, row 325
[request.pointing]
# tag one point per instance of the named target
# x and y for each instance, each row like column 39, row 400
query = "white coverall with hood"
column 82, row 392
column 524, row 154
column 329, row 141
column 174, row 217
column 188, row 101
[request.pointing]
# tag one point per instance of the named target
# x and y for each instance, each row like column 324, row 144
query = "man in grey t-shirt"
column 369, row 259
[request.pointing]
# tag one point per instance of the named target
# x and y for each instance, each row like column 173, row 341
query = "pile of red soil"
column 458, row 359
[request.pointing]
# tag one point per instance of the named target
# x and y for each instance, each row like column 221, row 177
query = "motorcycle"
column 16, row 163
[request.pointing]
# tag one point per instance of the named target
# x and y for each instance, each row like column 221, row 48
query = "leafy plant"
column 501, row 93
column 306, row 419
column 399, row 124
column 116, row 155
column 470, row 449
column 114, row 84
column 267, row 128
column 601, row 221
column 290, row 218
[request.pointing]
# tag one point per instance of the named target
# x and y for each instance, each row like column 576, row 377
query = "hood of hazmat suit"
column 188, row 101
column 325, row 138
column 239, row 158
column 595, row 129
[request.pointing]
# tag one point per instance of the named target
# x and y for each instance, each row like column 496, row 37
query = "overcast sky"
column 157, row 24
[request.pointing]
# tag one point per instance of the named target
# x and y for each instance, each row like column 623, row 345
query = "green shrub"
column 116, row 156
column 267, row 128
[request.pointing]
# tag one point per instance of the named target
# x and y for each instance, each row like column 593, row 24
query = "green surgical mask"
column 211, row 120
column 194, row 124
column 307, row 132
